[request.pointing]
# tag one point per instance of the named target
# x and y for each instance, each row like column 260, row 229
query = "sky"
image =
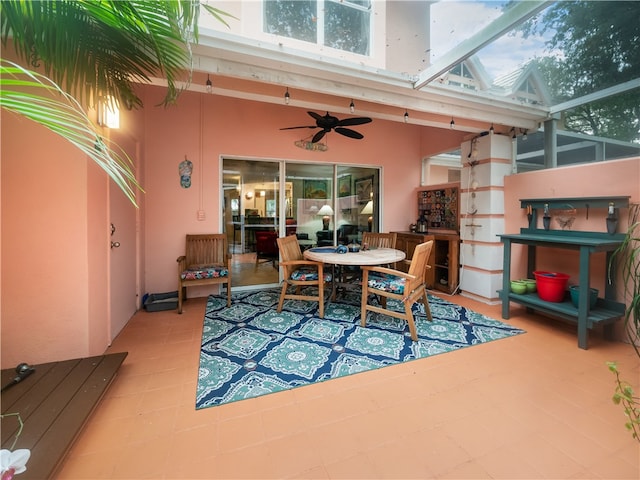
column 455, row 20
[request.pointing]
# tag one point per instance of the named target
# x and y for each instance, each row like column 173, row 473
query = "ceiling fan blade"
column 347, row 132
column 353, row 121
column 315, row 115
column 292, row 128
column 318, row 136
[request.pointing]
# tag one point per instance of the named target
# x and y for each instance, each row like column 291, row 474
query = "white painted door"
column 123, row 268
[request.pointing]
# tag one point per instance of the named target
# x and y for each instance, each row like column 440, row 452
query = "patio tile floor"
column 531, row 406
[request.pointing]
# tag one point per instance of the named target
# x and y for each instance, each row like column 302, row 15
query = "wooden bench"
column 54, row 403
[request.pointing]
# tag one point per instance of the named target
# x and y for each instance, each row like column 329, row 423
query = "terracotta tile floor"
column 532, row 406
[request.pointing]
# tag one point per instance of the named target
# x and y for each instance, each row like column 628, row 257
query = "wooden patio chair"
column 206, row 262
column 407, row 288
column 372, row 240
column 299, row 273
column 379, row 240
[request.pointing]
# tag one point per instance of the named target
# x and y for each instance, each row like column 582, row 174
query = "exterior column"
column 486, row 160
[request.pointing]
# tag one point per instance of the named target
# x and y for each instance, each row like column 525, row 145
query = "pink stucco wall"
column 205, row 128
column 612, row 178
column 55, row 204
column 55, row 214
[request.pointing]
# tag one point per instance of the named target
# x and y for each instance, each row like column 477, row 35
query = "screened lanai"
column 472, row 66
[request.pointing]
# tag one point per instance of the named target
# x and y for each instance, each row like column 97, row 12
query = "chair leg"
column 427, row 308
column 321, row 298
column 228, row 294
column 180, row 298
column 282, row 295
column 411, row 322
column 363, row 312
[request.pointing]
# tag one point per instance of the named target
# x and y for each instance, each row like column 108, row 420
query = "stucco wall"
column 205, row 128
column 613, row 178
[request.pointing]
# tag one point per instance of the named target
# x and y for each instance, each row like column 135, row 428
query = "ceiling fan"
column 329, row 122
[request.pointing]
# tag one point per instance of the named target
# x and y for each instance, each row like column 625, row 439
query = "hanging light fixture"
column 491, row 130
column 287, row 97
column 406, row 116
column 452, row 123
column 352, row 107
column 524, row 136
column 209, row 85
column 513, row 132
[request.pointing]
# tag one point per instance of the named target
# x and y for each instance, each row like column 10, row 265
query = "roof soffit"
column 232, row 56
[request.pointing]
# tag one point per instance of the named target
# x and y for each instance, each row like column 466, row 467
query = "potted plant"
column 628, row 258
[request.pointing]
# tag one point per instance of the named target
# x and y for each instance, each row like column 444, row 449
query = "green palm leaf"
column 36, row 97
column 91, row 50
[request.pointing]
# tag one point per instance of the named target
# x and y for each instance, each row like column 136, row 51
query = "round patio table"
column 375, row 256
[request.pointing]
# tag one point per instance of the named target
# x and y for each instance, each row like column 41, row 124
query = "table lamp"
column 368, row 210
column 326, row 211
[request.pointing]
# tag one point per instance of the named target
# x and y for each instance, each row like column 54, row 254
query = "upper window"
column 340, row 24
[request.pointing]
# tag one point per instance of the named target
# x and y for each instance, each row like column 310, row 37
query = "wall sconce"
column 209, row 85
column 248, row 195
column 287, row 97
column 352, row 106
column 108, row 113
column 262, row 193
column 327, row 213
column 406, row 116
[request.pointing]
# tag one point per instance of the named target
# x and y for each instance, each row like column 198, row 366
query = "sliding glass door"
column 321, row 203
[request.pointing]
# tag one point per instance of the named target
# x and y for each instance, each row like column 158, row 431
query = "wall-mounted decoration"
column 185, row 168
column 364, row 189
column 440, row 207
column 315, row 188
column 344, row 186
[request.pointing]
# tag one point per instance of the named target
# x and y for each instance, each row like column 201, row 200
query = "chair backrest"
column 289, row 248
column 420, row 259
column 206, row 249
column 345, row 231
column 379, row 240
column 266, row 242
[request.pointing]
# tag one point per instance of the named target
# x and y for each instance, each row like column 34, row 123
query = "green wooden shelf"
column 604, row 312
column 607, row 310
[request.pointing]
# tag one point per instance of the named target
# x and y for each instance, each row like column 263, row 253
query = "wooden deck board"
column 54, row 403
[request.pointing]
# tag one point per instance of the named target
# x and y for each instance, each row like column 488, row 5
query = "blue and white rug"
column 249, row 349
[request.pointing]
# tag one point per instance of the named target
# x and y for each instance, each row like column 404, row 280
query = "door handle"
column 115, row 244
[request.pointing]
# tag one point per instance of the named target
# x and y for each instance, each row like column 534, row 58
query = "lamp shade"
column 368, row 208
column 325, row 210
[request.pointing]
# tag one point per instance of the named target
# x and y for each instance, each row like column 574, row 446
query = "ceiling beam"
column 517, row 14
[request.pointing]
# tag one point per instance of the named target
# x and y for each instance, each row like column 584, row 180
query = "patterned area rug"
column 249, row 349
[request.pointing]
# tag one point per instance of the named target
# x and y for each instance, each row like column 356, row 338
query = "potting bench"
column 607, row 310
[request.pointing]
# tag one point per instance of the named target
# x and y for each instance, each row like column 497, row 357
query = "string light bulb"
column 452, row 123
column 352, row 106
column 209, row 85
column 406, row 116
column 287, row 97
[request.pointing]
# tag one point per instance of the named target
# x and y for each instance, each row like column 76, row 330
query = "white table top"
column 377, row 256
